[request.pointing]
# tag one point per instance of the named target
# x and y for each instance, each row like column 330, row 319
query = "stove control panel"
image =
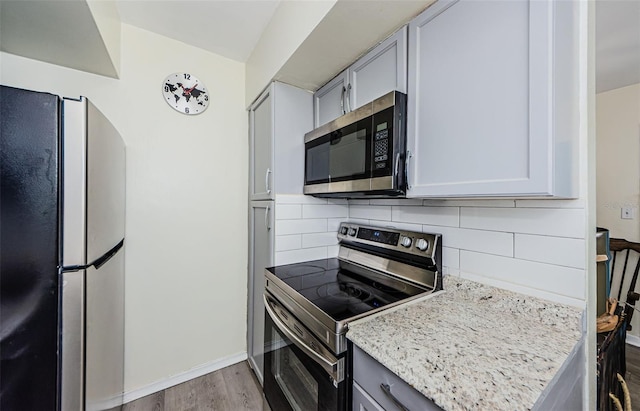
column 410, row 242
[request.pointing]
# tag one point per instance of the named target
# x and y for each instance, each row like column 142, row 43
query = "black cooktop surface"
column 339, row 292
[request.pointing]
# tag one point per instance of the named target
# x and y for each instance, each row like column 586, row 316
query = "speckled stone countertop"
column 473, row 346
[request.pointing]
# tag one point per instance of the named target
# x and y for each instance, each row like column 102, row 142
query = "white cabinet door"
column 261, row 147
column 260, row 256
column 492, row 100
column 330, row 102
column 380, row 71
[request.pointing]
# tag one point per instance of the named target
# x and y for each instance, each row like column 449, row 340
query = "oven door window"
column 293, row 381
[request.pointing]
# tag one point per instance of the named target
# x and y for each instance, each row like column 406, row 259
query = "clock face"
column 185, row 93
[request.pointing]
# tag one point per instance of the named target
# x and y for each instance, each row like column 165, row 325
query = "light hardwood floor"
column 234, row 388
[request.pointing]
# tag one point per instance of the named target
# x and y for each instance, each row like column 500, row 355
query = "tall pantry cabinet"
column 278, row 120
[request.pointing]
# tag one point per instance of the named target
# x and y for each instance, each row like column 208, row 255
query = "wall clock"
column 185, row 93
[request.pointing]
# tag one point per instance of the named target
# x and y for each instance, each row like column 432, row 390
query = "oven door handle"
column 334, row 368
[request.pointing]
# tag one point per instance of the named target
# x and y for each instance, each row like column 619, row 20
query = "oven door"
column 300, row 374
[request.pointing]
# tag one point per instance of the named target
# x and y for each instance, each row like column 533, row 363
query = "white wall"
column 186, row 232
column 618, row 160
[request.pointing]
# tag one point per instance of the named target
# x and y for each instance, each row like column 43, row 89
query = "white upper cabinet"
column 382, row 69
column 329, row 102
column 278, row 120
column 493, row 99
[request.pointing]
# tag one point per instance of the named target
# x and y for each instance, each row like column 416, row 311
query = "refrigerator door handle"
column 98, row 262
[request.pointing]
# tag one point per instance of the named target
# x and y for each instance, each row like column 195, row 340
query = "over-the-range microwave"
column 360, row 154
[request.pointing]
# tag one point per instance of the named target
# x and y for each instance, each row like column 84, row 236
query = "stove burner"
column 342, row 291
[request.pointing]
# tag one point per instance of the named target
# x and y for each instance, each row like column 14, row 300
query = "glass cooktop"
column 341, row 293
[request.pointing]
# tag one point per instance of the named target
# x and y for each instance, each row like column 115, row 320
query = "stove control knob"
column 406, row 242
column 422, row 244
column 352, row 231
column 344, row 230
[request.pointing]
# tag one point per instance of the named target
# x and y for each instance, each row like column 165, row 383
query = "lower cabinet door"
column 362, row 401
column 384, row 389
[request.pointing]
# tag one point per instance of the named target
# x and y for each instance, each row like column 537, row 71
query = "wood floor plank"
column 633, row 375
column 244, row 391
column 153, row 402
column 234, row 388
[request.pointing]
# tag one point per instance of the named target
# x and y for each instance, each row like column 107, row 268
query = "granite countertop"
column 473, row 346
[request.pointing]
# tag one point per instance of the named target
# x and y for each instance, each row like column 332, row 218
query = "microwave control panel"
column 381, row 146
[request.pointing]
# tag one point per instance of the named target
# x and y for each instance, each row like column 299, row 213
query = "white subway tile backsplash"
column 445, row 216
column 578, row 203
column 471, row 203
column 288, row 211
column 359, row 221
column 399, row 226
column 450, row 257
column 370, row 212
column 298, row 256
column 319, row 239
column 325, row 211
column 288, row 242
column 285, row 227
column 568, row 252
column 358, row 202
column 563, row 281
column 396, row 201
column 491, row 242
column 298, row 199
column 334, row 224
column 535, row 247
column 542, row 221
column 332, row 251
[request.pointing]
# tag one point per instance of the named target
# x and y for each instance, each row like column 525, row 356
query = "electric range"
column 309, row 306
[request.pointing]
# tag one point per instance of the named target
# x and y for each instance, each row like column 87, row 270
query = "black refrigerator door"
column 29, row 125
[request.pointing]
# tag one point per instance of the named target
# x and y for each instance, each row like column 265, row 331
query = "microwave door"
column 350, row 154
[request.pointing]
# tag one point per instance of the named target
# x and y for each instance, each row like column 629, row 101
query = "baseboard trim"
column 633, row 340
column 195, row 372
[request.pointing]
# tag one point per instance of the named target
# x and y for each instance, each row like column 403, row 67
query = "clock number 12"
column 187, row 76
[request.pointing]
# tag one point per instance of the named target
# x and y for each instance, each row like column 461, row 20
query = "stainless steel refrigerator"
column 62, row 200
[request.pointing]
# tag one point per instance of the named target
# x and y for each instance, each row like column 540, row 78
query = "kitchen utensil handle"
column 266, row 180
column 342, row 100
column 387, row 391
column 349, row 97
column 266, row 218
column 328, row 365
